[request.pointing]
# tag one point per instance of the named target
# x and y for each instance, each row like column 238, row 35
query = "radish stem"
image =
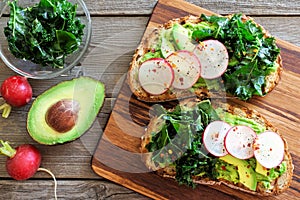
column 7, row 150
column 52, row 175
column 6, row 110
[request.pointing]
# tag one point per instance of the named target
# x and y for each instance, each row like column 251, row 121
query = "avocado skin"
column 90, row 94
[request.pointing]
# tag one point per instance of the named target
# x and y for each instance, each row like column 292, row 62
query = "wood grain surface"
column 118, row 26
column 117, row 156
column 145, row 7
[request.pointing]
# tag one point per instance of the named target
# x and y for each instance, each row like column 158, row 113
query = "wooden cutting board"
column 117, row 156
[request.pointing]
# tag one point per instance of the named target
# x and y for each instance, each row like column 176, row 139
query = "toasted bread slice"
column 153, row 38
column 278, row 186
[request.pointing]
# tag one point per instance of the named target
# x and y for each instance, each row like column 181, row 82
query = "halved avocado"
column 66, row 111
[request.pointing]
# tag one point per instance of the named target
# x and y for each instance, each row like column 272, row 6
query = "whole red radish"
column 23, row 162
column 16, row 91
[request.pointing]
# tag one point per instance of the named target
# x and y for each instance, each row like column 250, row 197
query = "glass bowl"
column 31, row 70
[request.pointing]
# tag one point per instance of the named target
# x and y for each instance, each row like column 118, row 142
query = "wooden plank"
column 284, row 28
column 117, row 157
column 74, row 189
column 142, row 7
column 65, row 161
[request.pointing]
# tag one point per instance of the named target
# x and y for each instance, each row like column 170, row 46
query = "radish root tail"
column 52, row 175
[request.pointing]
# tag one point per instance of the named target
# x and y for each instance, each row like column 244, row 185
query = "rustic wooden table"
column 117, row 29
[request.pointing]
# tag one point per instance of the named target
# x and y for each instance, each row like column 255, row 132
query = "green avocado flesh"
column 246, row 173
column 88, row 94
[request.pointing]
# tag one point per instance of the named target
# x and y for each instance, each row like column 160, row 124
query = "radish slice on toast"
column 213, row 56
column 269, row 149
column 213, row 137
column 186, row 68
column 156, row 76
column 239, row 142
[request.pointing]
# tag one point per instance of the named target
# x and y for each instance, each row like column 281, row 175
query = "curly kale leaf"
column 179, row 142
column 44, row 33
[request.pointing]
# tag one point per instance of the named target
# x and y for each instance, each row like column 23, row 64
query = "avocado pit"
column 62, row 116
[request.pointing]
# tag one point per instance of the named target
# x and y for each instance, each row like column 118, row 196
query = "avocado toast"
column 174, row 147
column 253, row 65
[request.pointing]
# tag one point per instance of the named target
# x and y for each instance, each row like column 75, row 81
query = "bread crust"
column 278, row 186
column 152, row 38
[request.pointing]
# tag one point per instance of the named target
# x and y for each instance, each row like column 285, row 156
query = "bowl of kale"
column 44, row 39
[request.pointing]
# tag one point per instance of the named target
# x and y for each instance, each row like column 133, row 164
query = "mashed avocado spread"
column 179, row 143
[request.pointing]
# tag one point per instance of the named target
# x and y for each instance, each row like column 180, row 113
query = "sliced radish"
column 239, row 142
column 213, row 56
column 269, row 149
column 213, row 137
column 156, row 76
column 186, row 68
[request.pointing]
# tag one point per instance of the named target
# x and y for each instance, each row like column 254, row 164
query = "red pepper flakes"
column 256, row 148
column 216, row 135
